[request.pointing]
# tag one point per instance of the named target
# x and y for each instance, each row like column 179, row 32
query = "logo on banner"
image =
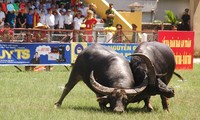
column 76, row 48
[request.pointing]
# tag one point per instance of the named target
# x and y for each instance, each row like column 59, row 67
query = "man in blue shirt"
column 29, row 19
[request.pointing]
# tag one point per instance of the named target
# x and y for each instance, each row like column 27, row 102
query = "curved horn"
column 151, row 70
column 107, row 90
column 98, row 87
column 138, row 89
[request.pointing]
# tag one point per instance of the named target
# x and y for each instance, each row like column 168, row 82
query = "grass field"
column 31, row 96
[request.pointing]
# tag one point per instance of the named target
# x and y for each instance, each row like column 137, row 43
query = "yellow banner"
column 76, row 48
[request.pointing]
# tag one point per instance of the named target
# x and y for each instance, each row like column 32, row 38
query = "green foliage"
column 170, row 17
column 31, row 96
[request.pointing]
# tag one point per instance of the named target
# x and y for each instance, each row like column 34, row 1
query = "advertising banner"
column 34, row 53
column 182, row 44
column 123, row 49
column 51, row 53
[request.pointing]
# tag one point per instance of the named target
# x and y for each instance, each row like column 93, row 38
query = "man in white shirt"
column 78, row 21
column 2, row 18
column 68, row 20
column 61, row 19
column 50, row 19
column 50, row 22
column 42, row 17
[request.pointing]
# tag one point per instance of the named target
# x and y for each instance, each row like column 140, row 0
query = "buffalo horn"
column 151, row 70
column 98, row 87
column 138, row 89
column 107, row 90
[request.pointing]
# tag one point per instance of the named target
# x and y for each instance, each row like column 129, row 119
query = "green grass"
column 31, row 96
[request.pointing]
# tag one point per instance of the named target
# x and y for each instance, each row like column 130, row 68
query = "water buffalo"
column 164, row 64
column 108, row 75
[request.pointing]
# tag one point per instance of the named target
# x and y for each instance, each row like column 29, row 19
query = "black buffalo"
column 109, row 75
column 163, row 61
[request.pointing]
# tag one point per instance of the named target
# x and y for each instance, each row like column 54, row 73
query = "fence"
column 60, row 35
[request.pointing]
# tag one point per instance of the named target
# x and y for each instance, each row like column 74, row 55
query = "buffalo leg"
column 73, row 80
column 165, row 103
column 147, row 104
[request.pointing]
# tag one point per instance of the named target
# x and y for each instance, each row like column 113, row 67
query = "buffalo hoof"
column 57, row 105
column 167, row 110
column 148, row 108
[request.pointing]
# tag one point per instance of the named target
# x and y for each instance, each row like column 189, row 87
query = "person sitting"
column 39, row 35
column 6, row 33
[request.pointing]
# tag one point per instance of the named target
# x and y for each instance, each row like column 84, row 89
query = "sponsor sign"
column 25, row 53
column 182, row 44
column 51, row 53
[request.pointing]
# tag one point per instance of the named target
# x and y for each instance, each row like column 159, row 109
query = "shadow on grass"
column 140, row 110
column 83, row 108
column 97, row 109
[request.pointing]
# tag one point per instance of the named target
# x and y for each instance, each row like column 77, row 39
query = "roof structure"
column 148, row 5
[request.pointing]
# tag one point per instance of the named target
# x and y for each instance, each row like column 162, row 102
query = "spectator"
column 135, row 34
column 62, row 7
column 42, row 17
column 78, row 21
column 36, row 17
column 55, row 13
column 119, row 34
column 29, row 19
column 40, row 8
column 109, row 16
column 6, row 33
column 2, row 18
column 39, row 35
column 61, row 19
column 68, row 20
column 110, row 32
column 22, row 5
column 48, row 4
column 92, row 7
column 11, row 18
column 83, row 9
column 50, row 19
column 50, row 22
column 90, row 22
column 29, row 5
column 21, row 19
column 186, row 20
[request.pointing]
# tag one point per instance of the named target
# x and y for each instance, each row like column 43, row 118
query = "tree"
column 170, row 17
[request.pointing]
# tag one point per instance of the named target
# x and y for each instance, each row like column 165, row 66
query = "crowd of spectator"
column 56, row 14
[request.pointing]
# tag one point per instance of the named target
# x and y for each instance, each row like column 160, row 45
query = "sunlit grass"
column 31, row 96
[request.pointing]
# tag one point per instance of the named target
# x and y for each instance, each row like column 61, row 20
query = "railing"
column 60, row 35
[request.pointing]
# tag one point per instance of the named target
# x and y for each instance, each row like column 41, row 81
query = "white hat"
column 40, row 25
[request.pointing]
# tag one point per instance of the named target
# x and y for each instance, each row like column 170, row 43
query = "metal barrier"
column 61, row 35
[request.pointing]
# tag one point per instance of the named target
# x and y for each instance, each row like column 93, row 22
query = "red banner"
column 182, row 44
